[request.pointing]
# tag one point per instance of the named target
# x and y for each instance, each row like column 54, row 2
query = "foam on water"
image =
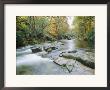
column 31, row 59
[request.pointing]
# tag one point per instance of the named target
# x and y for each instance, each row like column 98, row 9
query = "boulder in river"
column 49, row 48
column 54, row 48
column 62, row 44
column 69, row 38
column 85, row 62
column 65, row 63
column 61, row 54
column 36, row 49
column 74, row 51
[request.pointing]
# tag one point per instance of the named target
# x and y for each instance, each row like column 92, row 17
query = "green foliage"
column 38, row 29
column 91, row 38
column 85, row 28
column 21, row 31
column 29, row 29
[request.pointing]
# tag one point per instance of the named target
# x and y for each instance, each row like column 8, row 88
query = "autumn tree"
column 37, row 29
column 84, row 28
column 58, row 26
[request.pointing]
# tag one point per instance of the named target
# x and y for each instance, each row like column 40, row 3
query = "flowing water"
column 28, row 63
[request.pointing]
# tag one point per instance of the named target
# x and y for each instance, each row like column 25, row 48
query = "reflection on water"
column 81, row 44
column 75, row 44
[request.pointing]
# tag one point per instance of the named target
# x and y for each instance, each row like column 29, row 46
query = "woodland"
column 38, row 29
column 55, row 45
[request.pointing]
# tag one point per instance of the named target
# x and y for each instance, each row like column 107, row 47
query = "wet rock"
column 49, row 48
column 43, row 54
column 69, row 68
column 49, row 41
column 61, row 54
column 80, row 59
column 74, row 51
column 65, row 63
column 62, row 44
column 31, row 46
column 69, row 38
column 61, row 61
column 54, row 48
column 89, row 50
column 59, row 44
column 36, row 49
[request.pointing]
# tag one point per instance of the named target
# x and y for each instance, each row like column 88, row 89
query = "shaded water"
column 35, row 64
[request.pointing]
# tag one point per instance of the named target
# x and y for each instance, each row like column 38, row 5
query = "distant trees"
column 58, row 26
column 84, row 28
column 37, row 26
column 37, row 29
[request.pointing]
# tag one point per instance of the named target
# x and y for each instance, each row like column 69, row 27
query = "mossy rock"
column 23, row 70
column 74, row 51
column 49, row 50
column 84, row 62
column 37, row 49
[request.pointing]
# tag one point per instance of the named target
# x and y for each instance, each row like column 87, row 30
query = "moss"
column 89, row 50
column 84, row 62
column 23, row 70
column 68, row 56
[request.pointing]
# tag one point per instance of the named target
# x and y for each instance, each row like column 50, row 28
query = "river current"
column 28, row 63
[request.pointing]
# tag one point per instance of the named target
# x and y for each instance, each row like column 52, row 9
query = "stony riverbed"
column 65, row 57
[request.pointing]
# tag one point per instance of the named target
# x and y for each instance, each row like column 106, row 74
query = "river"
column 28, row 63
